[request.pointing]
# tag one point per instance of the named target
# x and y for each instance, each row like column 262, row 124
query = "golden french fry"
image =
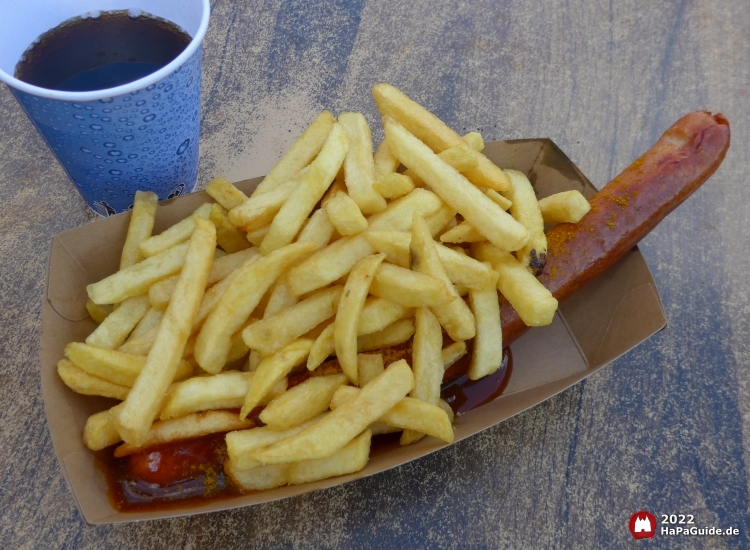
column 455, row 316
column 323, row 347
column 281, row 298
column 525, row 209
column 272, row 369
column 261, row 478
column 475, row 140
column 149, row 321
column 254, row 360
column 565, row 207
column 350, row 307
column 136, row 279
column 273, row 333
column 177, row 234
column 394, row 186
column 369, row 367
column 318, row 229
column 435, row 133
column 301, row 403
column 238, row 301
column 228, row 237
column 392, row 335
column 299, row 155
column 256, row 237
column 142, row 404
column 535, row 304
column 114, row 366
column 359, row 166
column 394, row 244
column 99, row 431
column 186, row 427
column 453, row 352
column 140, row 345
column 338, row 258
column 464, row 232
column 242, row 444
column 225, row 390
column 488, row 218
column 140, row 227
column 344, row 214
column 408, row 414
column 259, row 210
column 438, row 221
column 113, row 331
column 314, row 183
column 82, row 382
column 461, row 157
column 487, row 355
column 385, row 162
column 98, row 313
column 351, row 458
column 160, row 293
column 225, row 265
column 409, row 288
column 498, row 199
column 225, row 193
column 379, row 313
column 339, row 427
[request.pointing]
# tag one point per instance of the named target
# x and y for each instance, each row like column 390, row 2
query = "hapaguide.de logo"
column 642, row 525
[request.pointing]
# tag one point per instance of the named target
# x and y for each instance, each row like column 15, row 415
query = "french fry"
column 99, row 431
column 228, row 237
column 98, row 313
column 337, row 259
column 225, row 265
column 407, row 414
column 392, row 335
column 242, row 444
column 225, row 390
column 254, row 360
column 113, row 331
column 273, row 333
column 186, row 427
column 535, row 304
column 82, row 382
column 487, row 217
column 160, row 293
column 475, row 140
column 225, row 193
column 238, row 301
column 345, row 214
column 137, row 279
column 301, row 403
column 369, row 367
column 177, row 234
column 359, row 166
column 140, row 345
column 140, row 227
column 487, row 355
column 256, row 237
column 435, row 133
column 324, row 345
column 149, row 321
column 286, row 224
column 498, row 199
column 461, row 157
column 142, row 404
column 464, row 232
column 394, row 244
column 455, row 316
column 339, row 427
column 238, row 348
column 427, row 363
column 114, row 366
column 394, row 185
column 565, row 207
column 318, row 229
column 351, row 458
column 350, row 307
column 453, row 352
column 299, row 155
column 281, row 298
column 272, row 369
column 259, row 210
column 525, row 209
column 261, row 478
column 385, row 162
column 409, row 288
column 438, row 221
column 379, row 313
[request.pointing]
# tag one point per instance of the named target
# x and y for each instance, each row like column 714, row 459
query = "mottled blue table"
column 665, row 427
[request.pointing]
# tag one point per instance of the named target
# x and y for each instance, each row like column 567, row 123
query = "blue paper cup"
column 139, row 136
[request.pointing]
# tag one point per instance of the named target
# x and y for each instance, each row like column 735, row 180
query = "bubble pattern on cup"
column 145, row 140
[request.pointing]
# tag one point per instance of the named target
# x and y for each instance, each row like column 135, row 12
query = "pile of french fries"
column 337, row 252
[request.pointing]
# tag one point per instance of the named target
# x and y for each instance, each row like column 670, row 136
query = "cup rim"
column 139, row 84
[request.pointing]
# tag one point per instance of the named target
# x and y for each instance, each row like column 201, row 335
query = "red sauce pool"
column 185, row 473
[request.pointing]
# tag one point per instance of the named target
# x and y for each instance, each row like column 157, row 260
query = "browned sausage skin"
column 628, row 207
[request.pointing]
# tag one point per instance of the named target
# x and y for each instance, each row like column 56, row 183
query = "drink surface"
column 96, row 53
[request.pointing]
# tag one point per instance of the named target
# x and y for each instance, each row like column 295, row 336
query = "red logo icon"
column 642, row 525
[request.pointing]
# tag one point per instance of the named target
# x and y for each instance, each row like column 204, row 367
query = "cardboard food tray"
column 605, row 319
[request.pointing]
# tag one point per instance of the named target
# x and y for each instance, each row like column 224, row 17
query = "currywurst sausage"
column 628, row 207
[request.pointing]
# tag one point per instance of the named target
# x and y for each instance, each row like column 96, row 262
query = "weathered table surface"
column 665, row 427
